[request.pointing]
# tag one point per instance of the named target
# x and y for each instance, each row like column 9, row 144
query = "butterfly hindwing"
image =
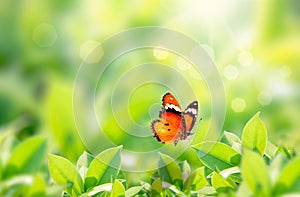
column 190, row 115
column 165, row 132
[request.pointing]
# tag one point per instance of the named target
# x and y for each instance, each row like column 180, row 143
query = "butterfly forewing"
column 171, row 124
column 170, row 103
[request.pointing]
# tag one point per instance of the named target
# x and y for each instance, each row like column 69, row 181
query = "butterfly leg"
column 185, row 135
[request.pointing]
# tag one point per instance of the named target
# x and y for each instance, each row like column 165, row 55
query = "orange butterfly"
column 173, row 123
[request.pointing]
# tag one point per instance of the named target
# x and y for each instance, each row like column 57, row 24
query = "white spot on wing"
column 191, row 110
column 171, row 106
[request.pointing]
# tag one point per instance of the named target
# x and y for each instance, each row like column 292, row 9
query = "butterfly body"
column 173, row 123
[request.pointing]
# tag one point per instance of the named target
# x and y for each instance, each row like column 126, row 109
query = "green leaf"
column 14, row 182
column 216, row 155
column 185, row 169
column 63, row 172
column 206, row 191
column 174, row 189
column 243, row 190
column 169, row 170
column 255, row 173
column 233, row 173
column 103, row 168
column 255, row 135
column 195, row 181
column 220, row 183
column 190, row 155
column 156, row 188
column 107, row 187
column 5, row 133
column 168, row 193
column 288, row 153
column 6, row 148
column 26, row 158
column 270, row 150
column 289, row 179
column 122, row 176
column 38, row 187
column 232, row 138
column 276, row 166
column 85, row 160
column 12, row 128
column 133, row 191
column 117, row 189
column 58, row 116
column 237, row 147
column 83, row 163
column 1, row 169
column 54, row 190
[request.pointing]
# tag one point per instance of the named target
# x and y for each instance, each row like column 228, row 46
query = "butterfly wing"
column 167, row 132
column 170, row 103
column 170, row 126
column 190, row 116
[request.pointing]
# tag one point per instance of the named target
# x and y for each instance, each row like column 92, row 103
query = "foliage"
column 251, row 166
column 22, row 170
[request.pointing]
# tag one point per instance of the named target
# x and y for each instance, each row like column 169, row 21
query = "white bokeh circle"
column 85, row 85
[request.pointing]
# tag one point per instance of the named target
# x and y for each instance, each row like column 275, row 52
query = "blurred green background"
column 255, row 45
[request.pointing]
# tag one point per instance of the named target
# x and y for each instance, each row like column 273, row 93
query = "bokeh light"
column 264, row 98
column 245, row 58
column 238, row 105
column 231, row 72
column 160, row 54
column 44, row 35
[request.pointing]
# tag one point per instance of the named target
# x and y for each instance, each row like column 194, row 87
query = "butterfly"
column 173, row 123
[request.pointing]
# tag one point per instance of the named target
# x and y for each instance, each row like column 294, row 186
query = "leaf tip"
column 120, row 147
